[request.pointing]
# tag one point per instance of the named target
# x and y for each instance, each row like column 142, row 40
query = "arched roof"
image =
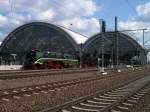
column 125, row 41
column 79, row 38
column 73, row 37
column 110, row 34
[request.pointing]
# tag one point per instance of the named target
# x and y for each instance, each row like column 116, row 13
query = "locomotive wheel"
column 34, row 67
column 45, row 66
column 57, row 66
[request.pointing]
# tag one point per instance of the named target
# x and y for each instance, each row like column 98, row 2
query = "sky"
column 79, row 15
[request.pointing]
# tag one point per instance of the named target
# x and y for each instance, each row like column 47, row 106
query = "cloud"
column 142, row 20
column 46, row 15
column 131, row 25
column 86, row 26
column 14, row 13
column 137, row 35
column 143, row 10
column 3, row 20
column 75, row 8
column 2, row 35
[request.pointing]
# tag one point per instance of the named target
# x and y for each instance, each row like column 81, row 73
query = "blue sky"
column 123, row 9
column 82, row 14
column 78, row 15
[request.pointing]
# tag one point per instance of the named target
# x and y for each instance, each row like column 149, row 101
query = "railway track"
column 120, row 99
column 4, row 75
column 16, row 93
column 38, row 73
column 30, row 71
column 2, row 72
column 7, row 94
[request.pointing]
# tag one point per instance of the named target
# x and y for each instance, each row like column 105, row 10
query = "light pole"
column 81, row 53
column 102, row 29
column 116, row 47
column 143, row 37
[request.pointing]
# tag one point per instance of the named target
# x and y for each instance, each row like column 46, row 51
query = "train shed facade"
column 55, row 38
column 41, row 36
column 128, row 50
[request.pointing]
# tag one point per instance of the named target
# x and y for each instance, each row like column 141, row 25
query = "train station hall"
column 55, row 38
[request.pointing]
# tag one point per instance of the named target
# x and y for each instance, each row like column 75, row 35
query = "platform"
column 10, row 67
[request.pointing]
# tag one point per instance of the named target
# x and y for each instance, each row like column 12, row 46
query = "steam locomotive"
column 36, row 59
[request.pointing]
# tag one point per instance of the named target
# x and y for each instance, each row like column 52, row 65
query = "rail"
column 129, row 89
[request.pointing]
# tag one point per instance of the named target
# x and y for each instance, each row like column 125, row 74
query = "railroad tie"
column 36, row 93
column 43, row 86
column 57, row 89
column 49, row 85
column 135, row 98
column 102, row 103
column 64, row 110
column 115, row 110
column 27, row 95
column 14, row 91
column 138, row 96
column 51, row 90
column 116, row 93
column 63, row 87
column 113, row 95
column 89, row 105
column 17, row 97
column 5, row 99
column 145, row 92
column 37, row 87
column 128, row 104
column 122, row 107
column 30, row 88
column 134, row 101
column 44, row 92
column 23, row 90
column 109, row 100
column 107, row 97
column 5, row 92
column 84, row 109
column 54, row 84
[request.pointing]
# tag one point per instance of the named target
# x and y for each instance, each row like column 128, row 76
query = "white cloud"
column 2, row 35
column 143, row 10
column 4, row 6
column 46, row 15
column 3, row 20
column 141, row 21
column 14, row 13
column 87, row 26
column 75, row 8
column 131, row 25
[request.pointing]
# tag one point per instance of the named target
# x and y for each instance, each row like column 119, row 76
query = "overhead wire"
column 59, row 4
column 12, row 7
column 11, row 4
column 64, row 7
